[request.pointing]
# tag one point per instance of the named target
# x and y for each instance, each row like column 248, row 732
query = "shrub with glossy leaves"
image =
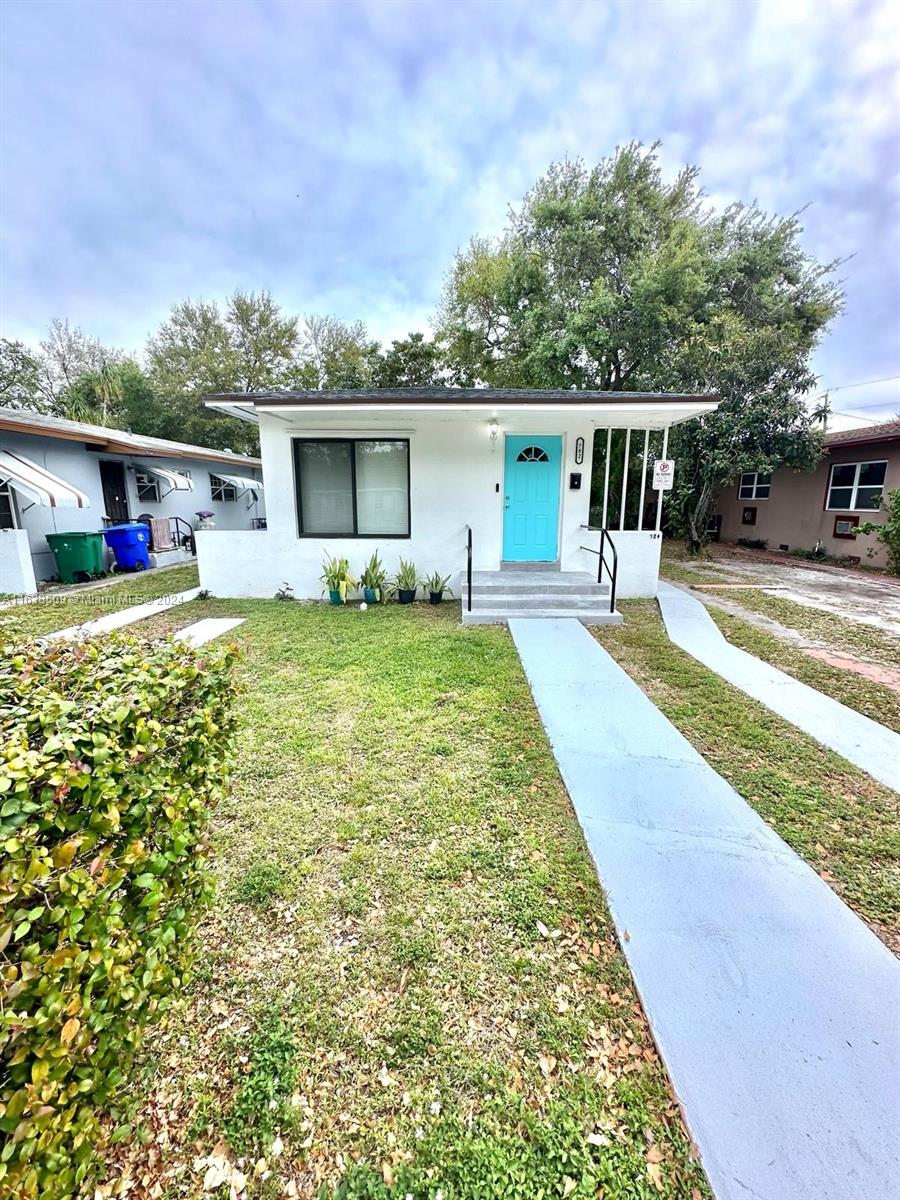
column 112, row 754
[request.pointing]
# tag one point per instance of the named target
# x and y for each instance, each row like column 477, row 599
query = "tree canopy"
column 608, row 277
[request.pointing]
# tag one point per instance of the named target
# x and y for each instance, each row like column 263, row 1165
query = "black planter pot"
column 435, row 597
column 406, row 596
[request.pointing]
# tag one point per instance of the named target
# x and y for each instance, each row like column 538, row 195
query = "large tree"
column 609, row 277
column 201, row 349
column 19, row 377
column 334, row 354
column 410, row 362
column 66, row 353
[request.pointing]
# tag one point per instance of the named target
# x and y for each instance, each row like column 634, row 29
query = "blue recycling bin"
column 129, row 543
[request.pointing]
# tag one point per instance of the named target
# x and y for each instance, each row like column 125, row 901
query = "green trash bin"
column 79, row 556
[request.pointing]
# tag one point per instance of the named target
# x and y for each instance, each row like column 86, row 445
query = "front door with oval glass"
column 531, row 498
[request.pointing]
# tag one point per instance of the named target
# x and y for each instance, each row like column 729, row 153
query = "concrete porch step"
column 534, row 583
column 502, row 616
column 573, row 603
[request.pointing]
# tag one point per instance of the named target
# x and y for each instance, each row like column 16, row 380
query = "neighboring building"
column 60, row 476
column 410, row 471
column 800, row 509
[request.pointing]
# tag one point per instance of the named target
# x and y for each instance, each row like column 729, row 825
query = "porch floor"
column 499, row 596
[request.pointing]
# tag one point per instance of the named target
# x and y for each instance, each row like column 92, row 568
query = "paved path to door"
column 774, row 1007
column 860, row 740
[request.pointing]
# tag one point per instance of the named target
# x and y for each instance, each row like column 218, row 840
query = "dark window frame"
column 143, row 479
column 351, row 442
column 8, row 491
column 218, row 484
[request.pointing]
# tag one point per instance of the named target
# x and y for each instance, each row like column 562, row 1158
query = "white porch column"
column 606, row 479
column 625, row 478
column 659, row 494
column 643, row 480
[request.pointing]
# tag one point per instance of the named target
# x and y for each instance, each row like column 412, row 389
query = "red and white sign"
column 663, row 474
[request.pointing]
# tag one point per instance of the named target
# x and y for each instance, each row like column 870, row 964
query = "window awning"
column 176, row 482
column 38, row 484
column 241, row 482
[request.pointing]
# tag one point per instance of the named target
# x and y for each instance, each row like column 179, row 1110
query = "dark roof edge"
column 462, row 395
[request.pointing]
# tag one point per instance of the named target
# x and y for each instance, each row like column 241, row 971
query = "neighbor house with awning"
column 549, row 502
column 59, row 476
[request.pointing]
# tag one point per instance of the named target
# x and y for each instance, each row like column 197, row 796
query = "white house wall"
column 16, row 570
column 81, row 468
column 456, row 479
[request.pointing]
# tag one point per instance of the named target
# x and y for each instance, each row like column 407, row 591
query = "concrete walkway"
column 863, row 742
column 774, row 1007
column 124, row 616
column 205, row 630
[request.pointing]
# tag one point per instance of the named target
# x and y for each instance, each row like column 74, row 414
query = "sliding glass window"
column 352, row 487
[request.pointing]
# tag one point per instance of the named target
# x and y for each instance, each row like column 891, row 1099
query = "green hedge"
column 112, row 754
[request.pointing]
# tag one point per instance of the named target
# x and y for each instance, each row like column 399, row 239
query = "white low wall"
column 638, row 562
column 259, row 562
column 16, row 570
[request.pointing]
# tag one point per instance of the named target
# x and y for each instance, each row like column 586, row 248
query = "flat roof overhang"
column 652, row 410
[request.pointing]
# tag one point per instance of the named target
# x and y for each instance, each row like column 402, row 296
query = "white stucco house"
column 59, row 476
column 445, row 477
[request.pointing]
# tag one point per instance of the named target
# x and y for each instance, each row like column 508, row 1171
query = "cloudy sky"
column 338, row 154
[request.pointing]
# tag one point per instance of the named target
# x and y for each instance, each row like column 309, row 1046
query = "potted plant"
column 435, row 585
column 337, row 578
column 406, row 582
column 374, row 581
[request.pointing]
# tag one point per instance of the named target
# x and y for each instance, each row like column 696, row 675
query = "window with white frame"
column 856, row 487
column 755, row 485
column 221, row 490
column 147, row 487
column 7, row 511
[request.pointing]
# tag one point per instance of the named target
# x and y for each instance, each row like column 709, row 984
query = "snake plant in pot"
column 406, row 582
column 337, row 578
column 374, row 581
column 435, row 585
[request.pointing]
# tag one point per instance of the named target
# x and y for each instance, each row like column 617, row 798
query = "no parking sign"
column 663, row 474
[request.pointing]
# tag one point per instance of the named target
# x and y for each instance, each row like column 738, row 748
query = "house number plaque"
column 579, row 451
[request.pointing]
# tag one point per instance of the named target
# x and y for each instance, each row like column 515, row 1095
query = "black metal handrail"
column 469, row 567
column 613, row 570
column 180, row 537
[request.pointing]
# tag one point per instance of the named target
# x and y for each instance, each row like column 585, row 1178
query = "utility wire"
column 846, row 387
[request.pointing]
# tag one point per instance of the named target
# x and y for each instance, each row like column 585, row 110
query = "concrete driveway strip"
column 863, row 742
column 775, row 1009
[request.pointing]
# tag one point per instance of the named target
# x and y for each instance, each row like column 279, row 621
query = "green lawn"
column 874, row 700
column 843, row 822
column 409, row 983
column 77, row 605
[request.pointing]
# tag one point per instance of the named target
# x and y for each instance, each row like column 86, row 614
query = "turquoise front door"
column 531, row 498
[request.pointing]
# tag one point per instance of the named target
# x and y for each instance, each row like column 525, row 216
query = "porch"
column 497, row 597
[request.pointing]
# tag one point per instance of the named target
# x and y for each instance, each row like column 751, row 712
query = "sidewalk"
column 863, row 742
column 773, row 1006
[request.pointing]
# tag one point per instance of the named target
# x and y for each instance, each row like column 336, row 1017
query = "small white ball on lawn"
column 363, row 606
